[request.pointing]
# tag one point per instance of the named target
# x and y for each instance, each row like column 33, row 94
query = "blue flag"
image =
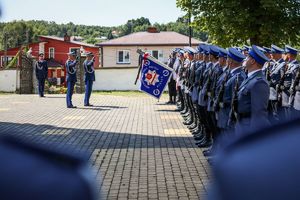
column 154, row 76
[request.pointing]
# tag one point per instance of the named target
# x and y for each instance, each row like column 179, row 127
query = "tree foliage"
column 19, row 32
column 236, row 22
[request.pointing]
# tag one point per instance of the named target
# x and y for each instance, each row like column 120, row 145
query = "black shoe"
column 183, row 112
column 206, row 144
column 90, row 105
column 72, row 106
column 208, row 153
column 192, row 126
column 199, row 138
column 169, row 102
column 187, row 123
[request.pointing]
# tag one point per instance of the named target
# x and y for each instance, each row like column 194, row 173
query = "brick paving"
column 138, row 147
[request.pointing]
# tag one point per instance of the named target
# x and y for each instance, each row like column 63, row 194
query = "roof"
column 149, row 39
column 72, row 41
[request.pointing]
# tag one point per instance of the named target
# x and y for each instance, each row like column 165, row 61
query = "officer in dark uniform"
column 200, row 68
column 179, row 71
column 253, row 95
column 71, row 77
column 172, row 81
column 276, row 74
column 41, row 72
column 30, row 171
column 189, row 65
column 237, row 75
column 252, row 167
column 205, row 95
column 292, row 78
column 89, row 77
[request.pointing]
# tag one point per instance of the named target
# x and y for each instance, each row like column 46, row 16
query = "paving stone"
column 138, row 147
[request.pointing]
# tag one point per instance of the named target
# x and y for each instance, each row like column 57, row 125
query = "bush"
column 52, row 81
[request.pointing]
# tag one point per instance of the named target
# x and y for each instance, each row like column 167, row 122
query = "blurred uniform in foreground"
column 261, row 165
column 32, row 172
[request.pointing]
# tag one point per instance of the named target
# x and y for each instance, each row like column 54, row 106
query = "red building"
column 55, row 50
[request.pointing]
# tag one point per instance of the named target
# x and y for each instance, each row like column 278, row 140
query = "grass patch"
column 121, row 93
column 6, row 93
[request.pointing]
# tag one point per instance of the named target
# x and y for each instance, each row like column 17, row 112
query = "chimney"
column 152, row 30
column 67, row 38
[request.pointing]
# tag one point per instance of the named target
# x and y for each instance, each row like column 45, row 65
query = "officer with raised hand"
column 71, row 77
column 253, row 95
column 41, row 72
column 89, row 77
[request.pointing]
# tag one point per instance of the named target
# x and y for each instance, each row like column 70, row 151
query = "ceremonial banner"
column 154, row 76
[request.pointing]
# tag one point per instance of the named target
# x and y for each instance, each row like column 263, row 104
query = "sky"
column 90, row 12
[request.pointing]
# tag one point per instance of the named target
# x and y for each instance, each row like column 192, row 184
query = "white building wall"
column 8, row 80
column 116, row 79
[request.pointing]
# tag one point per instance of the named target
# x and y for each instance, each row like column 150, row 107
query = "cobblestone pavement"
column 138, row 147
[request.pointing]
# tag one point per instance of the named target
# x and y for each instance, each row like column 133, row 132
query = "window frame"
column 118, row 58
column 8, row 56
column 70, row 49
column 50, row 48
column 160, row 54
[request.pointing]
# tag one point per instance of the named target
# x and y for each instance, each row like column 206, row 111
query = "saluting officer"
column 71, row 77
column 89, row 77
column 253, row 95
column 41, row 72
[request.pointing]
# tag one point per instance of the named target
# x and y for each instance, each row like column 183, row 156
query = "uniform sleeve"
column 46, row 69
column 259, row 104
column 36, row 69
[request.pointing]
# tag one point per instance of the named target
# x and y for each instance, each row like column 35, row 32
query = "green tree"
column 110, row 35
column 234, row 22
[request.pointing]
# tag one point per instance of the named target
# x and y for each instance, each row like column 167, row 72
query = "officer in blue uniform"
column 276, row 74
column 89, row 77
column 251, row 166
column 41, row 72
column 253, row 95
column 71, row 77
column 205, row 140
column 190, row 66
column 235, row 77
column 292, row 78
column 197, row 132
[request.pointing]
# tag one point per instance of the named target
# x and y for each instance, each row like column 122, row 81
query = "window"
column 75, row 49
column 123, row 57
column 158, row 54
column 51, row 52
column 8, row 59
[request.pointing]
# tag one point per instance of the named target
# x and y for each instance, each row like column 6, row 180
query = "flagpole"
column 141, row 53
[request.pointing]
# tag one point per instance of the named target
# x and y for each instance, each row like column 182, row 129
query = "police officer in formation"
column 232, row 92
column 41, row 72
column 89, row 77
column 71, row 77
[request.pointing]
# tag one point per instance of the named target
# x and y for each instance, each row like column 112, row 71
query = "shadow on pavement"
column 87, row 140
